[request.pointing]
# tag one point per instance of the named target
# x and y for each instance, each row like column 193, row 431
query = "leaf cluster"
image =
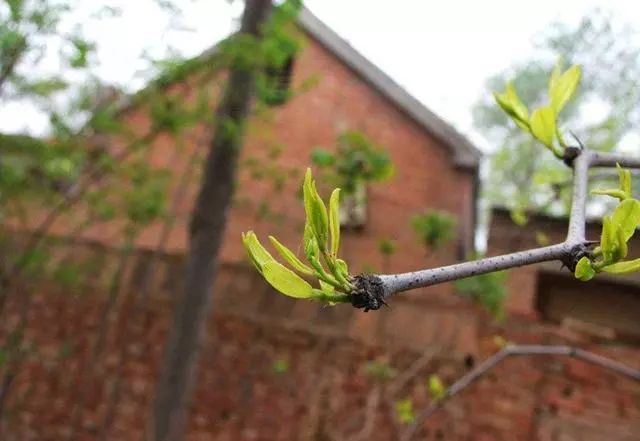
column 617, row 230
column 434, row 227
column 357, row 159
column 542, row 122
column 321, row 243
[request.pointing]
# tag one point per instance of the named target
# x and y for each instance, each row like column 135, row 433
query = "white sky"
column 440, row 51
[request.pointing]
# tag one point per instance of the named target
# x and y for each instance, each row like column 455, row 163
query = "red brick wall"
column 83, row 381
column 572, row 400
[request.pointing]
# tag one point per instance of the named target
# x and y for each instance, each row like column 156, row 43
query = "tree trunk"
column 178, row 372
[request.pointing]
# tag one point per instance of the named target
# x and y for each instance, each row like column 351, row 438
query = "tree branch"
column 402, row 282
column 568, row 252
column 519, row 350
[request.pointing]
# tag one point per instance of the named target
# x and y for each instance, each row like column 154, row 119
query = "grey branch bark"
column 519, row 350
column 568, row 252
column 177, row 376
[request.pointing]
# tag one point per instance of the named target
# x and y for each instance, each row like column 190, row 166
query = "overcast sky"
column 440, row 51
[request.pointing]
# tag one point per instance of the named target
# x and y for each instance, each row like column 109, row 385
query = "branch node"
column 570, row 154
column 577, row 252
column 369, row 292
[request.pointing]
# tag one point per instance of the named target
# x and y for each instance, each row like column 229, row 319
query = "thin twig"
column 519, row 350
column 412, row 371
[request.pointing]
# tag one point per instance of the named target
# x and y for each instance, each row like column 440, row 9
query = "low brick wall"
column 276, row 369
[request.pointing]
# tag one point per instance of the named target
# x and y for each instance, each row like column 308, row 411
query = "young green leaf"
column 518, row 107
column 291, row 258
column 564, row 88
column 625, row 179
column 286, row 281
column 505, row 101
column 327, row 288
column 613, row 192
column 608, row 239
column 334, row 221
column 584, row 270
column 622, row 250
column 343, row 270
column 555, row 76
column 543, row 125
column 436, row 388
column 258, row 254
column 405, row 412
column 624, row 267
column 627, row 217
column 322, row 274
column 310, row 244
column 315, row 210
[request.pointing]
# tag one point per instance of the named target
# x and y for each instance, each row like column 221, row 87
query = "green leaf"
column 543, row 125
column 405, row 412
column 343, row 270
column 613, row 192
column 290, row 257
column 505, row 103
column 564, row 88
column 627, row 217
column 608, row 239
column 310, row 243
column 555, row 76
column 327, row 288
column 334, row 221
column 286, row 281
column 436, row 388
column 623, row 249
column 518, row 107
column 628, row 266
column 584, row 270
column 258, row 254
column 321, row 273
column 625, row 179
column 316, row 211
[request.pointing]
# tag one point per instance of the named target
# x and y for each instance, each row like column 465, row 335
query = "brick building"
column 277, row 369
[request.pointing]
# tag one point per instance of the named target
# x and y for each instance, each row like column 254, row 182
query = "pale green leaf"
column 625, row 179
column 327, row 288
column 315, row 210
column 334, row 221
column 504, row 101
column 555, row 76
column 286, row 281
column 342, row 268
column 613, row 192
column 543, row 125
column 629, row 266
column 627, row 217
column 518, row 107
column 607, row 239
column 310, row 244
column 623, row 249
column 290, row 257
column 258, row 254
column 564, row 88
column 437, row 390
column 584, row 270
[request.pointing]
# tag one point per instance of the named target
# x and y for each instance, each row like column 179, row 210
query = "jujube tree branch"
column 582, row 256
